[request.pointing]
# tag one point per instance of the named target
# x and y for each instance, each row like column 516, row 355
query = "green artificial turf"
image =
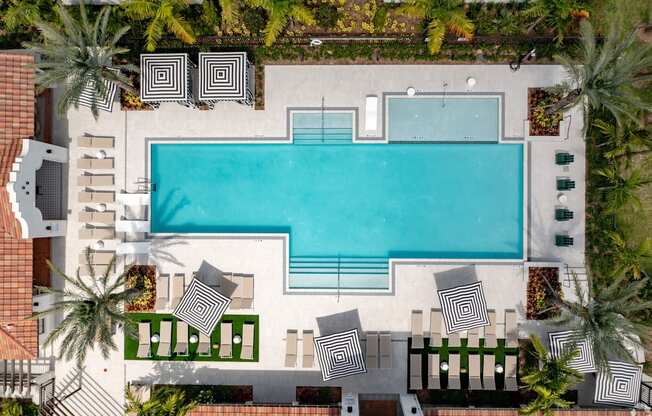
column 131, row 343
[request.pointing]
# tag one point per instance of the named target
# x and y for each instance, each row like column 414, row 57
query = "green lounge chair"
column 563, row 214
column 563, row 241
column 564, row 158
column 565, row 184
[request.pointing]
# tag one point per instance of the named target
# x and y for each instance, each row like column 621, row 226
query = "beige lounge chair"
column 95, row 180
column 417, row 329
column 434, row 383
column 165, row 340
column 473, row 338
column 247, row 352
column 144, row 345
column 475, row 382
column 454, row 372
column 489, row 372
column 226, row 340
column 415, row 372
column 204, row 346
column 162, row 289
column 291, row 348
column 93, row 163
column 178, row 288
column 98, row 269
column 511, row 383
column 385, row 345
column 96, row 233
column 308, row 349
column 454, row 340
column 95, row 142
column 372, row 350
column 511, row 329
column 97, row 257
column 490, row 331
column 247, row 292
column 107, row 218
column 181, row 347
column 96, row 197
column 435, row 328
column 236, row 296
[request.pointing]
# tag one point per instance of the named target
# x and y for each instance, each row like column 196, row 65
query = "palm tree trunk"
column 563, row 103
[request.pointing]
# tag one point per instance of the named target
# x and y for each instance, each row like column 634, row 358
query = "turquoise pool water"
column 439, row 119
column 384, row 200
column 322, row 127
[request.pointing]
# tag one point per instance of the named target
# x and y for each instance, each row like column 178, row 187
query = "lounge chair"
column 96, row 197
column 236, row 296
column 291, row 348
column 563, row 241
column 107, row 218
column 308, row 349
column 475, row 382
column 95, row 180
column 434, row 383
column 95, row 142
column 97, row 233
column 511, row 329
column 133, row 247
column 162, row 291
column 133, row 226
column 473, row 338
column 415, row 372
column 247, row 352
column 454, row 372
column 565, row 184
column 204, row 346
column 97, row 257
column 247, row 294
column 226, row 340
column 135, row 199
column 165, row 340
column 490, row 330
column 435, row 328
column 563, row 214
column 564, row 158
column 98, row 268
column 372, row 350
column 511, row 384
column 92, row 163
column 144, row 346
column 371, row 114
column 181, row 348
column 489, row 372
column 385, row 345
column 454, row 340
column 417, row 329
column 178, row 287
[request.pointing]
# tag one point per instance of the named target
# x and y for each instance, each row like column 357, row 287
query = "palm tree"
column 550, row 380
column 162, row 15
column 80, row 55
column 279, row 15
column 441, row 15
column 558, row 15
column 621, row 190
column 23, row 13
column 164, row 402
column 610, row 317
column 230, row 10
column 605, row 75
column 628, row 259
column 624, row 141
column 90, row 311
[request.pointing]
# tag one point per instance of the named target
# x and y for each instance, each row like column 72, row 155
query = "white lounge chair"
column 434, row 383
column 435, row 328
column 181, row 347
column 415, row 372
column 417, row 329
column 226, row 340
column 490, row 331
column 165, row 340
column 511, row 329
column 385, row 350
column 139, row 247
column 132, row 226
column 178, row 288
column 162, row 291
column 136, row 199
column 308, row 349
column 372, row 350
column 475, row 382
column 489, row 372
column 204, row 346
column 511, row 383
column 371, row 115
column 454, row 372
column 144, row 345
column 291, row 348
column 247, row 352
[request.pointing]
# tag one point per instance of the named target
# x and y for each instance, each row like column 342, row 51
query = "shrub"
column 255, row 19
column 327, row 15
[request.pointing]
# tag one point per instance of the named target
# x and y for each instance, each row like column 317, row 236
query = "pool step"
column 339, row 272
column 306, row 135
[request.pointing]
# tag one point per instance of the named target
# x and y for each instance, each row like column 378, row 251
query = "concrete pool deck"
column 303, row 87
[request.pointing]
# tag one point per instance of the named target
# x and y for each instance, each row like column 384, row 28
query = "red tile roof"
column 235, row 410
column 18, row 337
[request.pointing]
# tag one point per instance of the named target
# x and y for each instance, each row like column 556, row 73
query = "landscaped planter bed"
column 323, row 395
column 542, row 289
column 540, row 124
column 213, row 394
column 145, row 276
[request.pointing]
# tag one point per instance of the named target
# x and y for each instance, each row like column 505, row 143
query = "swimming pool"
column 443, row 118
column 374, row 200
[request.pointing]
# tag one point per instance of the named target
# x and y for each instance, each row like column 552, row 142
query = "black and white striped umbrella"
column 621, row 387
column 340, row 355
column 223, row 76
column 563, row 340
column 164, row 77
column 103, row 101
column 202, row 307
column 464, row 307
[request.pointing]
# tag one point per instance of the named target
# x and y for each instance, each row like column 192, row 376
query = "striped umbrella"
column 563, row 340
column 202, row 307
column 620, row 386
column 104, row 102
column 340, row 355
column 165, row 77
column 464, row 307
